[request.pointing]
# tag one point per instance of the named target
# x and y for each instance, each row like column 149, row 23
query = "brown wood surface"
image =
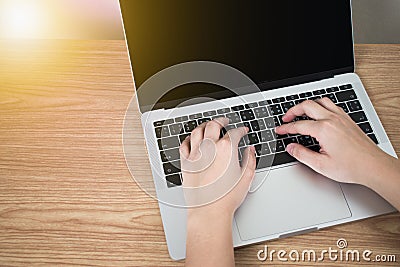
column 66, row 195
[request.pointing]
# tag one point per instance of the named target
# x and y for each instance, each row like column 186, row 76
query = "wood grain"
column 66, row 194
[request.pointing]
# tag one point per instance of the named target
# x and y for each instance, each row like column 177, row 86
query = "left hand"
column 213, row 178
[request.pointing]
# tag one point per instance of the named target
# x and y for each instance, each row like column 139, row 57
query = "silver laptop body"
column 286, row 199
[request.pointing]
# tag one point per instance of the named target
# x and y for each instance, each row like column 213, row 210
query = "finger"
column 196, row 137
column 247, row 156
column 307, row 127
column 236, row 134
column 184, row 149
column 213, row 128
column 248, row 167
column 310, row 158
column 309, row 108
column 328, row 104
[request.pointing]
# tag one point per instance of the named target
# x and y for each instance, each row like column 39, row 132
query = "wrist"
column 384, row 166
column 206, row 218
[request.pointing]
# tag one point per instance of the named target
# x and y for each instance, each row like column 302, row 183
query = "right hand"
column 347, row 154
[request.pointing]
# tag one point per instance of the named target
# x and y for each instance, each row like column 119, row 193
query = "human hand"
column 346, row 155
column 213, row 178
column 214, row 186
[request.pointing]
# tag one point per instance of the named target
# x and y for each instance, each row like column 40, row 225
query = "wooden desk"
column 66, row 196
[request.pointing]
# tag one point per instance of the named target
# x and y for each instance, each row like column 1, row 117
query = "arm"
column 347, row 154
column 214, row 185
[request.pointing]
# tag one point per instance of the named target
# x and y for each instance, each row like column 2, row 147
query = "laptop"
column 292, row 50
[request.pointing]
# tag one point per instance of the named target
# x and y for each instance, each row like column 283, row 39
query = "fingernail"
column 289, row 149
column 252, row 149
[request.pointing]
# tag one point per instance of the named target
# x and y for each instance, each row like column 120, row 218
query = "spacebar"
column 282, row 158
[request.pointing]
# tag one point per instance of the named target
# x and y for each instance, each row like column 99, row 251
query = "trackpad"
column 290, row 198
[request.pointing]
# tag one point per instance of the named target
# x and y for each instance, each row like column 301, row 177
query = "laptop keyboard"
column 261, row 118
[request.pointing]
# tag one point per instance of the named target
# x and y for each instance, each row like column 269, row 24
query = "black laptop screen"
column 274, row 42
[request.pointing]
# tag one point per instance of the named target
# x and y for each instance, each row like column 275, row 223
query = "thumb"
column 248, row 167
column 306, row 156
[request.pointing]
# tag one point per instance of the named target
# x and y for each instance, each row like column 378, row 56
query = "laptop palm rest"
column 290, row 199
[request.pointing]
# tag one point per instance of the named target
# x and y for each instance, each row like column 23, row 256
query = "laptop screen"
column 274, row 42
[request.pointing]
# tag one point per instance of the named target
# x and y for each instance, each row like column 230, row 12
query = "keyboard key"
column 314, row 98
column 276, row 121
column 262, row 149
column 195, row 116
column 305, row 140
column 182, row 119
column 255, row 125
column 354, row 105
column 276, row 109
column 287, row 105
column 373, row 138
column 306, row 94
column 278, row 100
column 238, row 108
column 209, row 113
column 332, row 97
column 264, row 161
column 203, row 120
column 233, row 117
column 315, row 148
column 190, row 126
column 253, row 105
column 183, row 137
column 158, row 131
column 332, row 89
column 169, row 142
column 164, row 131
column 170, row 155
column 158, row 123
column 229, row 127
column 223, row 110
column 343, row 106
column 263, row 103
column 290, row 140
column 258, row 125
column 292, row 97
column 346, row 95
column 217, row 116
column 248, row 125
column 247, row 115
column 282, row 158
column 346, row 87
column 269, row 123
column 261, row 112
column 319, row 92
column 253, row 138
column 366, row 127
column 171, row 167
column 265, row 136
column 176, row 128
column 358, row 117
column 173, row 180
column 280, row 146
